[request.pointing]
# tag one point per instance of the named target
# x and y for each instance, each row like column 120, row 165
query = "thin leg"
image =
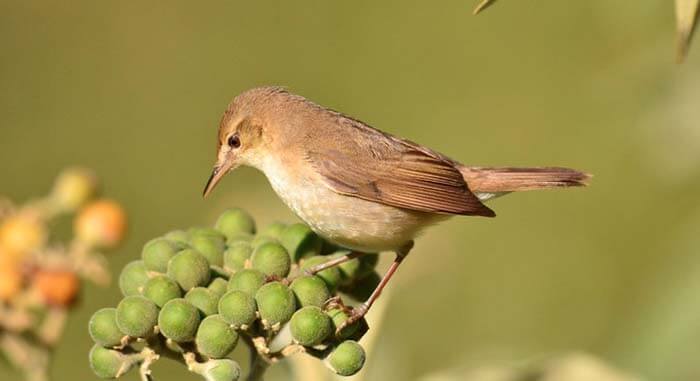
column 360, row 311
column 333, row 262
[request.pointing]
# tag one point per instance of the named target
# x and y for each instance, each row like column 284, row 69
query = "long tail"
column 489, row 182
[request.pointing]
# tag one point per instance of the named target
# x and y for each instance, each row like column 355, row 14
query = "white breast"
column 348, row 221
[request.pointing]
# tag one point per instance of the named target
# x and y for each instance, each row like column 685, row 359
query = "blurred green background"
column 135, row 91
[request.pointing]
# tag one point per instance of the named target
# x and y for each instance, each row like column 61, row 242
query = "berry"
column 347, row 358
column 57, row 287
column 222, row 370
column 273, row 230
column 247, row 280
column 212, row 248
column 357, row 268
column 234, row 221
column 73, row 187
column 133, row 278
column 203, row 299
column 101, row 223
column 179, row 236
column 136, row 316
column 237, row 308
column 301, row 241
column 338, row 317
column 236, row 255
column 218, row 287
column 156, row 254
column 331, row 276
column 310, row 290
column 189, row 269
column 276, row 303
column 178, row 320
column 363, row 288
column 161, row 289
column 215, row 338
column 310, row 326
column 103, row 328
column 271, row 259
column 108, row 363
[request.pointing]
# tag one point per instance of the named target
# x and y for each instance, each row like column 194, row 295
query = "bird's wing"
column 378, row 167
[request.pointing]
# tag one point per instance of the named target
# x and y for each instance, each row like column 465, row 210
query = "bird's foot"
column 336, row 303
column 355, row 314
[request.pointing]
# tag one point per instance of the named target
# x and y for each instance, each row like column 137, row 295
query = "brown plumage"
column 355, row 185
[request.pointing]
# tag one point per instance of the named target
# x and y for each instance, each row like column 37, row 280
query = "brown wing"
column 381, row 168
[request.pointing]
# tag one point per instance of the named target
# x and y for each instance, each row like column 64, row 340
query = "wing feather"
column 388, row 170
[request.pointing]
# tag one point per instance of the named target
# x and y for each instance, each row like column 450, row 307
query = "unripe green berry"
column 189, row 269
column 212, row 248
column 273, row 230
column 234, row 221
column 356, row 268
column 215, row 338
column 246, row 280
column 218, row 287
column 157, row 253
column 271, row 259
column 236, row 255
column 203, row 299
column 338, row 318
column 331, row 276
column 222, row 370
column 239, row 237
column 205, row 231
column 136, row 316
column 301, row 242
column 310, row 290
column 161, row 289
column 178, row 320
column 237, row 308
column 276, row 303
column 346, row 359
column 108, row 363
column 103, row 328
column 310, row 326
column 262, row 239
column 133, row 278
column 361, row 289
column 179, row 236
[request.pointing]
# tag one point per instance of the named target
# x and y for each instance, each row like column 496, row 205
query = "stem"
column 258, row 366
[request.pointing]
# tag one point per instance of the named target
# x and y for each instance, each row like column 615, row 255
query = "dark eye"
column 234, row 141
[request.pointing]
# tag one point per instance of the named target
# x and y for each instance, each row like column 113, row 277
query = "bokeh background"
column 135, row 91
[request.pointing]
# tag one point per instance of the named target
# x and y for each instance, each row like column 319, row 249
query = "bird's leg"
column 360, row 311
column 333, row 262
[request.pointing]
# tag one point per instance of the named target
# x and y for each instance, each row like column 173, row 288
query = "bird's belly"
column 353, row 222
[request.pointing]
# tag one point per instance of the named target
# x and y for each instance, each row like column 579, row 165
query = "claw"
column 354, row 316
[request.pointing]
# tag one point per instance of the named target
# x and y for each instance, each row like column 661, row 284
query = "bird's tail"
column 489, row 182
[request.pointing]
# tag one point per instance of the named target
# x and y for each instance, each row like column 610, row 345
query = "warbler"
column 357, row 186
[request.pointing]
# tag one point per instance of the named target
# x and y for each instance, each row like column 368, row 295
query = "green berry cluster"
column 195, row 294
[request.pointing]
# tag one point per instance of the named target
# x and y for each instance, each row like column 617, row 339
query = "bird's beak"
column 216, row 175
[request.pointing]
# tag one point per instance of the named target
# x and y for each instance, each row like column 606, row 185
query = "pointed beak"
column 214, row 179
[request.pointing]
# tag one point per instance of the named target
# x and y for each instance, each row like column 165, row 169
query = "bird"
column 354, row 185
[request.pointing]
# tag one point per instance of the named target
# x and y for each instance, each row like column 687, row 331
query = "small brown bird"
column 357, row 186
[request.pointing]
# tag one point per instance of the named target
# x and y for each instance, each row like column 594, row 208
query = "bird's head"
column 247, row 132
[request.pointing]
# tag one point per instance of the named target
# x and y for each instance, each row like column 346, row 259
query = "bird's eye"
column 234, row 141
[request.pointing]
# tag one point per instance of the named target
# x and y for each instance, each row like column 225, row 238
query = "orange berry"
column 101, row 223
column 22, row 233
column 58, row 287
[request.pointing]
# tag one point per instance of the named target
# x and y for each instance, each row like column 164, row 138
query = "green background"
column 135, row 91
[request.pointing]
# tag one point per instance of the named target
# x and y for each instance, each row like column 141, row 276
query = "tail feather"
column 498, row 180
